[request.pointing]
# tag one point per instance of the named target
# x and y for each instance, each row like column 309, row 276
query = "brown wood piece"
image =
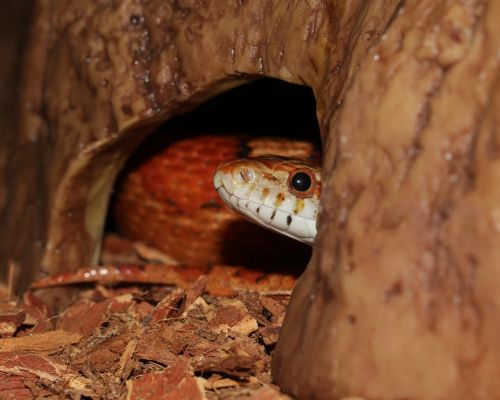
column 401, row 297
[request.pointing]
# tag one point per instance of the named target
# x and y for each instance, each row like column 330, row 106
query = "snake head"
column 278, row 193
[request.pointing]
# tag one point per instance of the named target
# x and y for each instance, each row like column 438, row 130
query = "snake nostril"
column 247, row 175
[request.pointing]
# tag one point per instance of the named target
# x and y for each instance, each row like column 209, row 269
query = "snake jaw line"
column 299, row 228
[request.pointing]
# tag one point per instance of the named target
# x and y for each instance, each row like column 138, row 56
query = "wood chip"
column 45, row 343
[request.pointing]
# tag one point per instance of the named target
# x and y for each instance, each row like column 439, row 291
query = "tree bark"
column 99, row 77
column 401, row 300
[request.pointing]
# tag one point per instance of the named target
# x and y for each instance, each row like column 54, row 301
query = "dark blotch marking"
column 246, row 205
column 258, row 210
column 273, row 215
column 289, row 220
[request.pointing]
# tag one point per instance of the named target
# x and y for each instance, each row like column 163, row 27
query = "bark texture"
column 401, row 297
column 99, row 76
column 401, row 300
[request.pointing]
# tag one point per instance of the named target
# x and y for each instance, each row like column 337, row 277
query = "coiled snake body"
column 166, row 198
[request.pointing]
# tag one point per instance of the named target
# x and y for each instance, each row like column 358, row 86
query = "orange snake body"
column 167, row 199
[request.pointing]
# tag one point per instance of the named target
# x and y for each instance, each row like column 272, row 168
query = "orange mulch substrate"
column 145, row 331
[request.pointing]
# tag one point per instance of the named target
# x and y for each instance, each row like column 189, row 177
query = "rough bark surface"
column 400, row 299
column 102, row 75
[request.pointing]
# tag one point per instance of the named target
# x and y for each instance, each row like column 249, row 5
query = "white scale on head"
column 277, row 193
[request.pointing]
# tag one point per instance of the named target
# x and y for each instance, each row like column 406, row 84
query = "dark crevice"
column 264, row 107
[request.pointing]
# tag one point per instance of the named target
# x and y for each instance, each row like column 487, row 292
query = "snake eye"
column 301, row 183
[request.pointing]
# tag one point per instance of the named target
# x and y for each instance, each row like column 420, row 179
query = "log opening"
column 175, row 165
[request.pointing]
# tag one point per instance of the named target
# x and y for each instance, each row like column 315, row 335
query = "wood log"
column 400, row 299
column 100, row 78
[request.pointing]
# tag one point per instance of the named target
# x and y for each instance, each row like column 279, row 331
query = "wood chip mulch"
column 204, row 335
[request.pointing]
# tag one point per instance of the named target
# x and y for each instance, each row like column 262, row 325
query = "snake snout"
column 221, row 180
